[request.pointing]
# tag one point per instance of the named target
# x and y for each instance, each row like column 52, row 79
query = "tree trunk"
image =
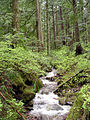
column 67, row 27
column 76, row 22
column 15, row 19
column 61, row 18
column 40, row 43
column 54, row 36
column 44, row 26
column 50, row 33
column 62, row 26
column 41, row 34
column 47, row 21
column 86, row 18
column 57, row 29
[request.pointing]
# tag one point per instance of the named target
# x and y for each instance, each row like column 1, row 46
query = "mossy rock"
column 28, row 94
column 29, row 91
column 71, row 99
column 25, row 85
column 67, row 97
column 80, row 109
column 76, row 111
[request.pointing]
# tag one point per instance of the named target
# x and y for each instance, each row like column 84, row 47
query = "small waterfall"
column 45, row 104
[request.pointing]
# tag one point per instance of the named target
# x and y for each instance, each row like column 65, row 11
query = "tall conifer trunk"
column 61, row 18
column 76, row 21
column 62, row 26
column 15, row 19
column 40, row 44
column 57, row 29
column 86, row 18
column 54, row 36
column 47, row 21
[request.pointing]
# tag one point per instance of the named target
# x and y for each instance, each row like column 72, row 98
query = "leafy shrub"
column 9, row 108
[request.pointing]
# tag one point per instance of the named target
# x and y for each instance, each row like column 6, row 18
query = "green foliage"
column 21, row 66
column 8, row 112
column 86, row 96
column 64, row 60
column 81, row 108
column 19, row 58
column 1, row 105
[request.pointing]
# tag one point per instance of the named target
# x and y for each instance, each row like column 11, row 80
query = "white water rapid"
column 45, row 104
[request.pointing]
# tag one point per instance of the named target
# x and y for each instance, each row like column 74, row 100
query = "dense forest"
column 38, row 37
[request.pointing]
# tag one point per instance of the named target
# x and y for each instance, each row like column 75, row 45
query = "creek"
column 46, row 104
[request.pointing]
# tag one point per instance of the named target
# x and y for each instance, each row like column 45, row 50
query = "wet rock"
column 67, row 100
column 54, row 107
column 51, row 75
column 30, row 103
column 54, row 117
column 44, row 91
column 69, row 103
column 28, row 94
column 43, row 117
column 70, row 100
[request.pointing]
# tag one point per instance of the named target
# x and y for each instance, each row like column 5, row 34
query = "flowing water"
column 45, row 104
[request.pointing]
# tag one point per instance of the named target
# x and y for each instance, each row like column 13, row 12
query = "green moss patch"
column 81, row 108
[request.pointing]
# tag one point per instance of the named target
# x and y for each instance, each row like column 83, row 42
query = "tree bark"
column 15, row 19
column 44, row 26
column 62, row 26
column 86, row 18
column 40, row 43
column 67, row 27
column 54, row 36
column 57, row 29
column 41, row 34
column 61, row 18
column 76, row 22
column 47, row 21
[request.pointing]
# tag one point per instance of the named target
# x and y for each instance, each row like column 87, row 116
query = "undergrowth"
column 20, row 69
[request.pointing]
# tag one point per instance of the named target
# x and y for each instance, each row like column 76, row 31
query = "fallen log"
column 68, row 79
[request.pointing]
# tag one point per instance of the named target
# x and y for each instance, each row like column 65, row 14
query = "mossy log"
column 70, row 77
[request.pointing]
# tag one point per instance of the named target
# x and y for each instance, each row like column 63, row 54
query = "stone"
column 55, row 107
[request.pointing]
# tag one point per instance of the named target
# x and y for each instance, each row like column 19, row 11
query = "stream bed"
column 46, row 104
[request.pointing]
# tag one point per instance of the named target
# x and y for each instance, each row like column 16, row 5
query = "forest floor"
column 21, row 69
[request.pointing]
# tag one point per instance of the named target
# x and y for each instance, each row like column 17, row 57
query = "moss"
column 28, row 94
column 38, row 84
column 76, row 111
column 62, row 100
column 16, row 78
column 19, row 81
column 28, row 90
column 67, row 97
column 31, row 76
column 23, row 85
